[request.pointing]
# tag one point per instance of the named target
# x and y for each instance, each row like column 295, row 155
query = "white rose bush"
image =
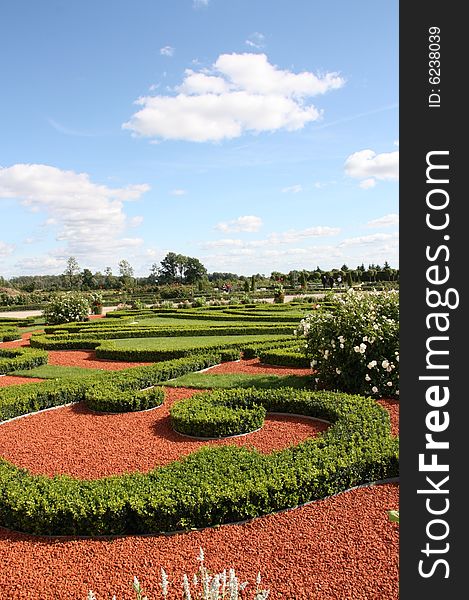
column 66, row 308
column 354, row 347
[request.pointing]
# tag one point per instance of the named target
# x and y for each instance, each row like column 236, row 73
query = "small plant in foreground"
column 203, row 586
column 393, row 516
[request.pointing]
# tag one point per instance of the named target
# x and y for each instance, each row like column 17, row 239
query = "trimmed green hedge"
column 8, row 334
column 285, row 357
column 217, row 414
column 255, row 350
column 92, row 339
column 216, row 484
column 110, row 398
column 13, row 359
column 20, row 400
column 108, row 350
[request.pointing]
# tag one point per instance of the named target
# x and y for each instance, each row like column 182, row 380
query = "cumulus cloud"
column 255, row 40
column 366, row 184
column 274, row 239
column 240, row 93
column 386, row 221
column 367, row 240
column 167, row 51
column 88, row 218
column 369, row 166
column 248, row 223
column 293, row 189
column 6, row 249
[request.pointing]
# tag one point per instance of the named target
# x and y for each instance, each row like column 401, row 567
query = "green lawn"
column 183, row 343
column 268, row 382
column 57, row 372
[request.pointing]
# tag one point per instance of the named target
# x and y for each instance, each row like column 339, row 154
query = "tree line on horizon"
column 178, row 269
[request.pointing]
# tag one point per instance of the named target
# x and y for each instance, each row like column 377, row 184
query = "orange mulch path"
column 8, row 380
column 88, row 445
column 340, row 548
column 254, row 367
column 86, row 359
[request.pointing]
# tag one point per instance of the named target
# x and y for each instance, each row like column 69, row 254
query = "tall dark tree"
column 194, row 270
column 71, row 272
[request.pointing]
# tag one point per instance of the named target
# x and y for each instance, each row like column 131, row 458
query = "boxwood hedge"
column 285, row 357
column 13, row 359
column 111, row 398
column 216, row 484
column 217, row 414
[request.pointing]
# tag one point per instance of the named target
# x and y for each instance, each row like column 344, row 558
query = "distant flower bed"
column 355, row 346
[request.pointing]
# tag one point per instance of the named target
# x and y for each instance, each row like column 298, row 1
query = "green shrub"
column 216, row 415
column 9, row 334
column 65, row 308
column 355, row 348
column 20, row 400
column 285, row 357
column 214, row 485
column 14, row 359
column 109, row 398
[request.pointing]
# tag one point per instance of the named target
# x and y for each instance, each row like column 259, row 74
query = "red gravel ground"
column 392, row 406
column 7, row 380
column 254, row 367
column 341, row 548
column 87, row 445
column 24, row 341
column 87, row 360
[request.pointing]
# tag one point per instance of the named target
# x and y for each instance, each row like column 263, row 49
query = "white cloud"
column 396, row 143
column 367, row 240
column 248, row 223
column 366, row 184
column 167, row 51
column 369, row 166
column 240, row 93
column 293, row 189
column 178, row 192
column 6, row 249
column 136, row 221
column 274, row 239
column 386, row 221
column 200, row 3
column 256, row 40
column 87, row 217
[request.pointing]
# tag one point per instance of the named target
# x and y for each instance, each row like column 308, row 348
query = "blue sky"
column 254, row 135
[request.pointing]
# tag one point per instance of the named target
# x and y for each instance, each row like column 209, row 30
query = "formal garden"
column 201, row 450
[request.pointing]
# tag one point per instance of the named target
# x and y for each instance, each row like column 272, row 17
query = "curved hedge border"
column 217, row 414
column 20, row 400
column 8, row 334
column 92, row 339
column 216, row 484
column 285, row 357
column 13, row 359
column 110, row 398
column 109, row 351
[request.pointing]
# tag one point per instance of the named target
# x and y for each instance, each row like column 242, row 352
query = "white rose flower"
column 356, row 348
column 385, row 364
column 372, row 364
column 389, row 383
column 367, row 377
column 374, row 389
column 338, row 371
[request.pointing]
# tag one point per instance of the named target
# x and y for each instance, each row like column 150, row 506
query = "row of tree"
column 180, row 269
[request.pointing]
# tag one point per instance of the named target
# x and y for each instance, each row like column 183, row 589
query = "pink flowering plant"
column 355, row 346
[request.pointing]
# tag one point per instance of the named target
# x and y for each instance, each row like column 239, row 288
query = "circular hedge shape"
column 213, row 415
column 14, row 359
column 104, row 397
column 214, row 485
